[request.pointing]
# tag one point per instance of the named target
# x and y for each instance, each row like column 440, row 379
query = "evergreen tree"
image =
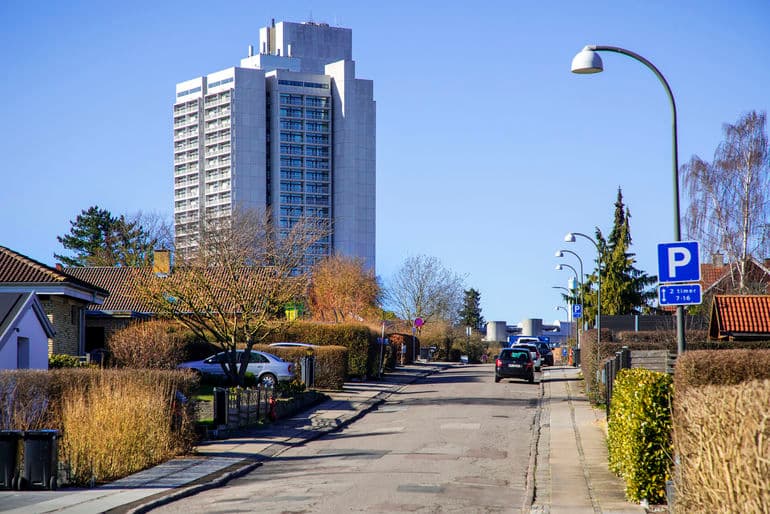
column 98, row 238
column 625, row 289
column 470, row 313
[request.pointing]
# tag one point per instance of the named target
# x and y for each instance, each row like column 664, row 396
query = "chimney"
column 251, row 50
column 59, row 267
column 161, row 262
column 717, row 259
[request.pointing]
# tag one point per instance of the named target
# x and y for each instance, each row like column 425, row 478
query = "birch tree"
column 728, row 198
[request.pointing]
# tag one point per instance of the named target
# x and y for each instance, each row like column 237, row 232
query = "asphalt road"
column 452, row 442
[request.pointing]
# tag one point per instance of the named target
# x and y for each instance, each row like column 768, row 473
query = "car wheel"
column 497, row 379
column 268, row 380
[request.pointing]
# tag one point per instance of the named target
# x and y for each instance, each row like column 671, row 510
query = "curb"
column 220, row 479
column 534, row 456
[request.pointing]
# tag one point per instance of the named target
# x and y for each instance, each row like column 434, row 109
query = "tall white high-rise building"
column 291, row 129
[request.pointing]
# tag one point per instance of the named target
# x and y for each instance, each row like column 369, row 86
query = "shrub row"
column 113, row 422
column 331, row 363
column 651, row 340
column 358, row 339
column 722, row 440
column 728, row 367
column 639, row 433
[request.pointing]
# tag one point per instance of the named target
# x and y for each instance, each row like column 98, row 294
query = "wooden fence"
column 655, row 360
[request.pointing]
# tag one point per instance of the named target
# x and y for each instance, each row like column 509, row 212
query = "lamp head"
column 587, row 61
column 569, row 238
column 558, row 267
column 558, row 253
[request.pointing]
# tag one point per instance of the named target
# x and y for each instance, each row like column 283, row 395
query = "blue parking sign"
column 678, row 262
column 577, row 310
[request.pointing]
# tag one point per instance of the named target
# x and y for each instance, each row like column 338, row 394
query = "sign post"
column 679, row 274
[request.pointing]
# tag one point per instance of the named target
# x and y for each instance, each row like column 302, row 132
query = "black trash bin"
column 576, row 357
column 9, row 450
column 308, row 370
column 40, row 459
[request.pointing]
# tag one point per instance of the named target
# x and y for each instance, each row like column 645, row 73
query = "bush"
column 358, row 339
column 726, row 367
column 147, row 344
column 589, row 361
column 722, row 439
column 58, row 361
column 639, row 433
column 330, row 363
column 114, row 422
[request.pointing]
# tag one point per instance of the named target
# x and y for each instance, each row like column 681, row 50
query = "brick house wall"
column 66, row 316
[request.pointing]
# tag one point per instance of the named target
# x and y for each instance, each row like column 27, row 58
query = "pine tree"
column 625, row 289
column 470, row 313
column 100, row 239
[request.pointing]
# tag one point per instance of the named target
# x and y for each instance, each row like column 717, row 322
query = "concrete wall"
column 354, row 162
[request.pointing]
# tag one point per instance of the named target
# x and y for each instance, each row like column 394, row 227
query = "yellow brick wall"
column 59, row 311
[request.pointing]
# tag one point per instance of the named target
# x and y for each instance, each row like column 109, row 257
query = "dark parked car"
column 532, row 347
column 515, row 363
column 545, row 353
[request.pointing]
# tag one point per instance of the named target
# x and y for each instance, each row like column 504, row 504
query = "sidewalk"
column 572, row 475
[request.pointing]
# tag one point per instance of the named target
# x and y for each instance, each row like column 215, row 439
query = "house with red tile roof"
column 120, row 308
column 720, row 278
column 740, row 317
column 63, row 298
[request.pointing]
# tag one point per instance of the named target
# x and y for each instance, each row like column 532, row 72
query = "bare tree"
column 424, row 288
column 342, row 287
column 157, row 225
column 729, row 208
column 233, row 288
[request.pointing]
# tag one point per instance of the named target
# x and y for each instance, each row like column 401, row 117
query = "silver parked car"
column 269, row 369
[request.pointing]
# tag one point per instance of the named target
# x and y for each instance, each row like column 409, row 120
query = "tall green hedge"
column 639, row 433
column 358, row 339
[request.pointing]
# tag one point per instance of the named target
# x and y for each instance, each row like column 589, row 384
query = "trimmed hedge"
column 331, row 363
column 639, row 433
column 722, row 440
column 646, row 340
column 726, row 367
column 358, row 339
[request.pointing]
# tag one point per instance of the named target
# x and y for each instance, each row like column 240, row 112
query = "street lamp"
column 560, row 267
column 562, row 308
column 587, row 61
column 560, row 254
column 570, row 238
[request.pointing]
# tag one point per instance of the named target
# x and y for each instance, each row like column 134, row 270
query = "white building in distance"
column 291, row 129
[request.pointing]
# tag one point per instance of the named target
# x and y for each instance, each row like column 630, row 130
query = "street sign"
column 678, row 262
column 679, row 294
column 577, row 310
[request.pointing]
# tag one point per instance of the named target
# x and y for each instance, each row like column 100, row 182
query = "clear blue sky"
column 488, row 149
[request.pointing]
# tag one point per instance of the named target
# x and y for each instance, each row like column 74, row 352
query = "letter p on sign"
column 678, row 262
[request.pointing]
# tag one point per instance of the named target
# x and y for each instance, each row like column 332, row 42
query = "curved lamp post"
column 560, row 267
column 570, row 238
column 587, row 61
column 560, row 254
